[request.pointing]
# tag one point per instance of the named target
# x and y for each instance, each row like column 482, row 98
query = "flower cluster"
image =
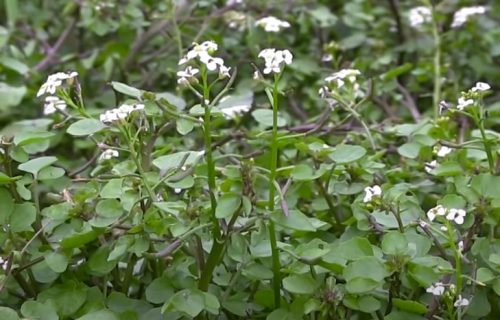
column 456, row 215
column 275, row 59
column 443, row 151
column 467, row 99
column 203, row 53
column 462, row 16
column 120, row 113
column 108, row 154
column 339, row 78
column 54, row 81
column 52, row 104
column 437, row 289
column 371, row 192
column 420, row 15
column 272, row 24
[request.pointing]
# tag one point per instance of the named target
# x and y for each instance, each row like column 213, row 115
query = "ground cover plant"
column 249, row 160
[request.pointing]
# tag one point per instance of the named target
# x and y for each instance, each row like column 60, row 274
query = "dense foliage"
column 249, row 159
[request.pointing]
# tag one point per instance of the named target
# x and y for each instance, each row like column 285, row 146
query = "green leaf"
column 39, row 311
column 354, row 249
column 410, row 150
column 184, row 126
column 448, row 169
column 50, row 173
column 10, row 96
column 4, row 179
column 347, row 153
column 99, row 263
column 265, row 118
column 28, row 137
column 85, row 127
column 361, row 285
column 172, row 207
column 190, row 302
column 22, row 217
column 227, row 205
column 366, row 304
column 159, row 290
column 35, row 165
column 100, row 315
column 57, row 261
column 295, row 220
column 394, row 243
column 79, row 239
column 300, row 284
column 68, row 297
column 302, row 172
column 112, row 189
column 108, row 211
column 8, row 314
column 14, row 64
column 410, row 306
column 479, row 306
column 174, row 160
column 396, row 72
column 126, row 89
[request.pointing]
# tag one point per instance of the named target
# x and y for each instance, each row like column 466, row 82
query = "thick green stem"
column 457, row 255
column 479, row 119
column 272, row 178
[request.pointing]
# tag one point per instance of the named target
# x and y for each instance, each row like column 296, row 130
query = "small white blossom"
column 443, row 106
column 272, row 24
column 438, row 210
column 462, row 15
column 456, row 215
column 461, row 302
column 461, row 246
column 429, row 166
column 371, row 192
column 3, row 263
column 341, row 76
column 327, row 57
column 275, row 59
column 108, row 154
column 120, row 113
column 52, row 104
column 444, row 151
column 420, row 15
column 443, row 228
column 184, row 76
column 224, row 72
column 54, row 81
column 203, row 52
column 481, row 86
column 177, row 190
column 436, row 289
column 463, row 103
column 231, row 112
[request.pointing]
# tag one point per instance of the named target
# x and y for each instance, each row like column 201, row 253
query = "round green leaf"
column 85, row 127
column 56, row 261
column 227, row 205
column 8, row 314
column 347, row 153
column 50, row 173
column 39, row 311
column 35, row 165
column 100, row 315
column 394, row 243
column 300, row 284
column 159, row 291
column 22, row 217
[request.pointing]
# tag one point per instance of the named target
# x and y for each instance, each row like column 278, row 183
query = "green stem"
column 218, row 247
column 272, row 178
column 479, row 119
column 457, row 254
column 436, row 97
column 357, row 116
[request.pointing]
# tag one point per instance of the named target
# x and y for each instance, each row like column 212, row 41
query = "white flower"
column 272, row 24
column 323, row 92
column 429, row 166
column 275, row 59
column 443, row 228
column 327, row 57
column 54, row 81
column 177, row 190
column 108, row 154
column 420, row 15
column 444, row 151
column 184, row 76
column 438, row 210
column 120, row 113
column 3, row 263
column 481, row 86
column 341, row 76
column 52, row 104
column 443, row 106
column 461, row 302
column 436, row 289
column 203, row 52
column 462, row 16
column 463, row 103
column 461, row 246
column 371, row 192
column 456, row 215
column 224, row 72
column 232, row 111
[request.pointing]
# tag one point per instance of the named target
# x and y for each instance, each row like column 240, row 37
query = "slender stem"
column 357, row 116
column 272, row 178
column 457, row 254
column 479, row 119
column 218, row 246
column 436, row 97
